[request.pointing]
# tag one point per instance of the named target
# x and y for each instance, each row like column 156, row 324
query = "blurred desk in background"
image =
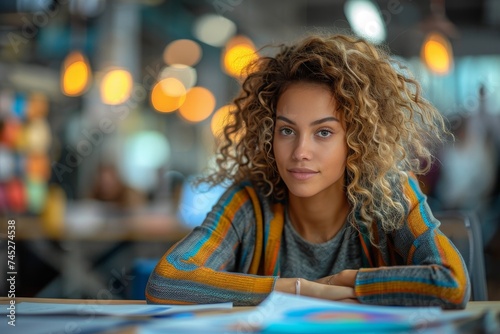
column 481, row 306
column 95, row 263
column 138, row 228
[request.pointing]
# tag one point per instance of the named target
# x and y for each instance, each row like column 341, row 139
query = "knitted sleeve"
column 434, row 273
column 211, row 264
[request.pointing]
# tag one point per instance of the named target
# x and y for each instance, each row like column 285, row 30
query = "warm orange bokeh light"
column 182, row 51
column 75, row 74
column 38, row 167
column 199, row 104
column 38, row 106
column 185, row 74
column 437, row 54
column 168, row 95
column 11, row 133
column 116, row 86
column 220, row 119
column 238, row 54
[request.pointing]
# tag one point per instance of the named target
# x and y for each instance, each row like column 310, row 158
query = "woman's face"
column 309, row 142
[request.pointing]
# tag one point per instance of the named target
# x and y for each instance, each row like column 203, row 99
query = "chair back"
column 464, row 231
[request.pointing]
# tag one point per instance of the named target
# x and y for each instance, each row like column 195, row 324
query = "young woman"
column 322, row 153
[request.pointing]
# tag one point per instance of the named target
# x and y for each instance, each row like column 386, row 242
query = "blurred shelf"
column 129, row 229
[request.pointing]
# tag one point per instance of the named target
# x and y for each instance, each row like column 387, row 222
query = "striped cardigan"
column 234, row 256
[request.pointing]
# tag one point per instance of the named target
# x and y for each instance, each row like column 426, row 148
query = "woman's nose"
column 302, row 149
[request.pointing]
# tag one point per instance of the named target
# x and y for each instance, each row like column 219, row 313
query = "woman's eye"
column 324, row 133
column 286, row 131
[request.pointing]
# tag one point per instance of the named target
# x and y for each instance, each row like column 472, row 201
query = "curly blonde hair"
column 389, row 125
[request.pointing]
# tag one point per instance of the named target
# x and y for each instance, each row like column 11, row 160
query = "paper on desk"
column 97, row 309
column 297, row 314
column 62, row 324
column 285, row 313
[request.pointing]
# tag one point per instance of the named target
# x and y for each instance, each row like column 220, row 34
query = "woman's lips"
column 302, row 173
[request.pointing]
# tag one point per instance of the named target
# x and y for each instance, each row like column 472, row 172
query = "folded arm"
column 211, row 264
column 434, row 272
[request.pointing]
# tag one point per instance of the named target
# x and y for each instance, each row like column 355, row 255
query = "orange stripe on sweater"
column 166, row 301
column 453, row 261
column 259, row 233
column 218, row 279
column 416, row 223
column 274, row 239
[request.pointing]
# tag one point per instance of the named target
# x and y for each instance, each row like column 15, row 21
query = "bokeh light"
column 214, row 30
column 18, row 107
column 365, row 20
column 11, row 132
column 7, row 162
column 168, row 95
column 199, row 104
column 196, row 201
column 38, row 136
column 437, row 54
column 36, row 193
column 38, row 106
column 220, row 119
column 182, row 51
column 238, row 54
column 116, row 86
column 185, row 74
column 54, row 210
column 16, row 195
column 38, row 167
column 144, row 153
column 75, row 74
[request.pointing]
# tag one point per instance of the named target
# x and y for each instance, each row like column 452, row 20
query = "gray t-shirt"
column 301, row 258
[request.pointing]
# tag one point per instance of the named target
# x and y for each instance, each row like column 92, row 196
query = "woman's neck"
column 318, row 220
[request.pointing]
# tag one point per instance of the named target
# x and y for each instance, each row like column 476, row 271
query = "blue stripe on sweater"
column 424, row 214
column 244, row 255
column 421, row 201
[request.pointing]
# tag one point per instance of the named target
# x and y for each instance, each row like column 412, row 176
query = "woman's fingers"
column 315, row 289
column 345, row 278
column 326, row 280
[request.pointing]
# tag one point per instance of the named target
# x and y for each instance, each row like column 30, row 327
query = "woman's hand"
column 344, row 278
column 316, row 290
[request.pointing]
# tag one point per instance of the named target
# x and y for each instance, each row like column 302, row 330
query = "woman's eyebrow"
column 319, row 121
column 324, row 120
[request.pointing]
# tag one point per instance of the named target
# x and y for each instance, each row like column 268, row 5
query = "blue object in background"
column 142, row 268
column 19, row 106
column 197, row 201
